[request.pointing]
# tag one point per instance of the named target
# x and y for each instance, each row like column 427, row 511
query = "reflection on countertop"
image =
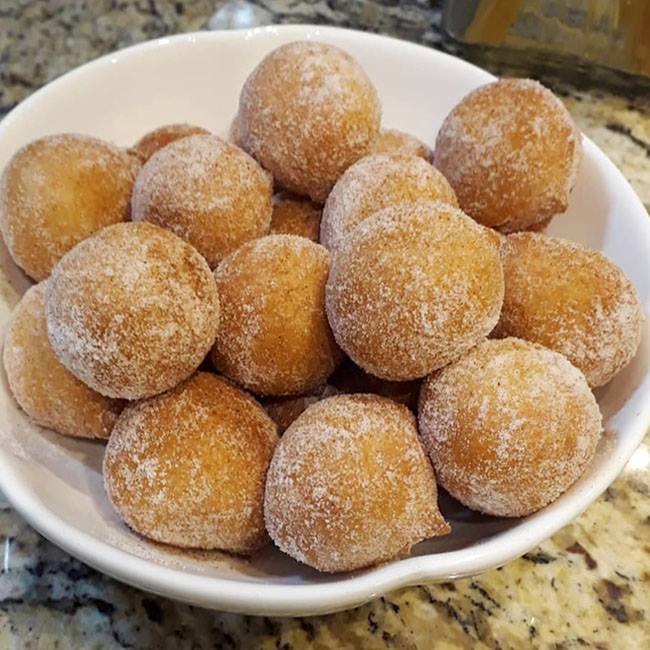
column 589, row 586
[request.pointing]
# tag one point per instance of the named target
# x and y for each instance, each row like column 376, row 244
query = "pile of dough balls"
column 291, row 334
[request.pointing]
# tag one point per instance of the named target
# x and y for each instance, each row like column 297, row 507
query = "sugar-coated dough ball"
column 207, row 191
column 293, row 215
column 509, row 427
column 572, row 300
column 132, row 310
column 188, row 467
column 395, row 141
column 149, row 143
column 274, row 338
column 511, row 152
column 58, row 190
column 51, row 395
column 306, row 113
column 412, row 288
column 378, row 182
column 284, row 410
column 350, row 378
column 350, row 485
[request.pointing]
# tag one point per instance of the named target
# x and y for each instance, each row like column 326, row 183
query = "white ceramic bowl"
column 56, row 483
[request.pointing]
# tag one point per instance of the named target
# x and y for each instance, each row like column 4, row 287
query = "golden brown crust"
column 284, row 410
column 509, row 427
column 188, row 467
column 572, row 300
column 150, row 142
column 306, row 113
column 274, row 338
column 350, row 486
column 51, row 395
column 132, row 310
column 396, row 141
column 293, row 215
column 413, row 288
column 58, row 190
column 511, row 152
column 207, row 191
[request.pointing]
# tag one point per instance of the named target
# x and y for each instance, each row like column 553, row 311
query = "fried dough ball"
column 58, row 190
column 293, row 215
column 509, row 427
column 274, row 338
column 188, row 467
column 207, row 191
column 511, row 152
column 149, row 143
column 350, row 486
column 395, row 141
column 132, row 310
column 414, row 287
column 572, row 300
column 306, row 113
column 50, row 395
column 349, row 378
column 378, row 182
column 284, row 410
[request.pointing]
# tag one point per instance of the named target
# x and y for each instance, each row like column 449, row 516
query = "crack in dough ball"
column 49, row 393
column 350, row 485
column 207, row 191
column 509, row 427
column 511, row 152
column 414, row 287
column 572, row 300
column 396, row 141
column 188, row 467
column 58, row 190
column 274, row 338
column 132, row 311
column 377, row 182
column 306, row 113
column 293, row 215
column 151, row 142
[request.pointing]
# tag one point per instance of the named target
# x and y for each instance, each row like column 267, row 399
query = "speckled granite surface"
column 587, row 587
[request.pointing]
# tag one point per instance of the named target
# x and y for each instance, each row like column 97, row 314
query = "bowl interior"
column 56, row 481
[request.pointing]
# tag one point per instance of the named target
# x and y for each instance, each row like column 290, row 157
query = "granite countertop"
column 587, row 587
